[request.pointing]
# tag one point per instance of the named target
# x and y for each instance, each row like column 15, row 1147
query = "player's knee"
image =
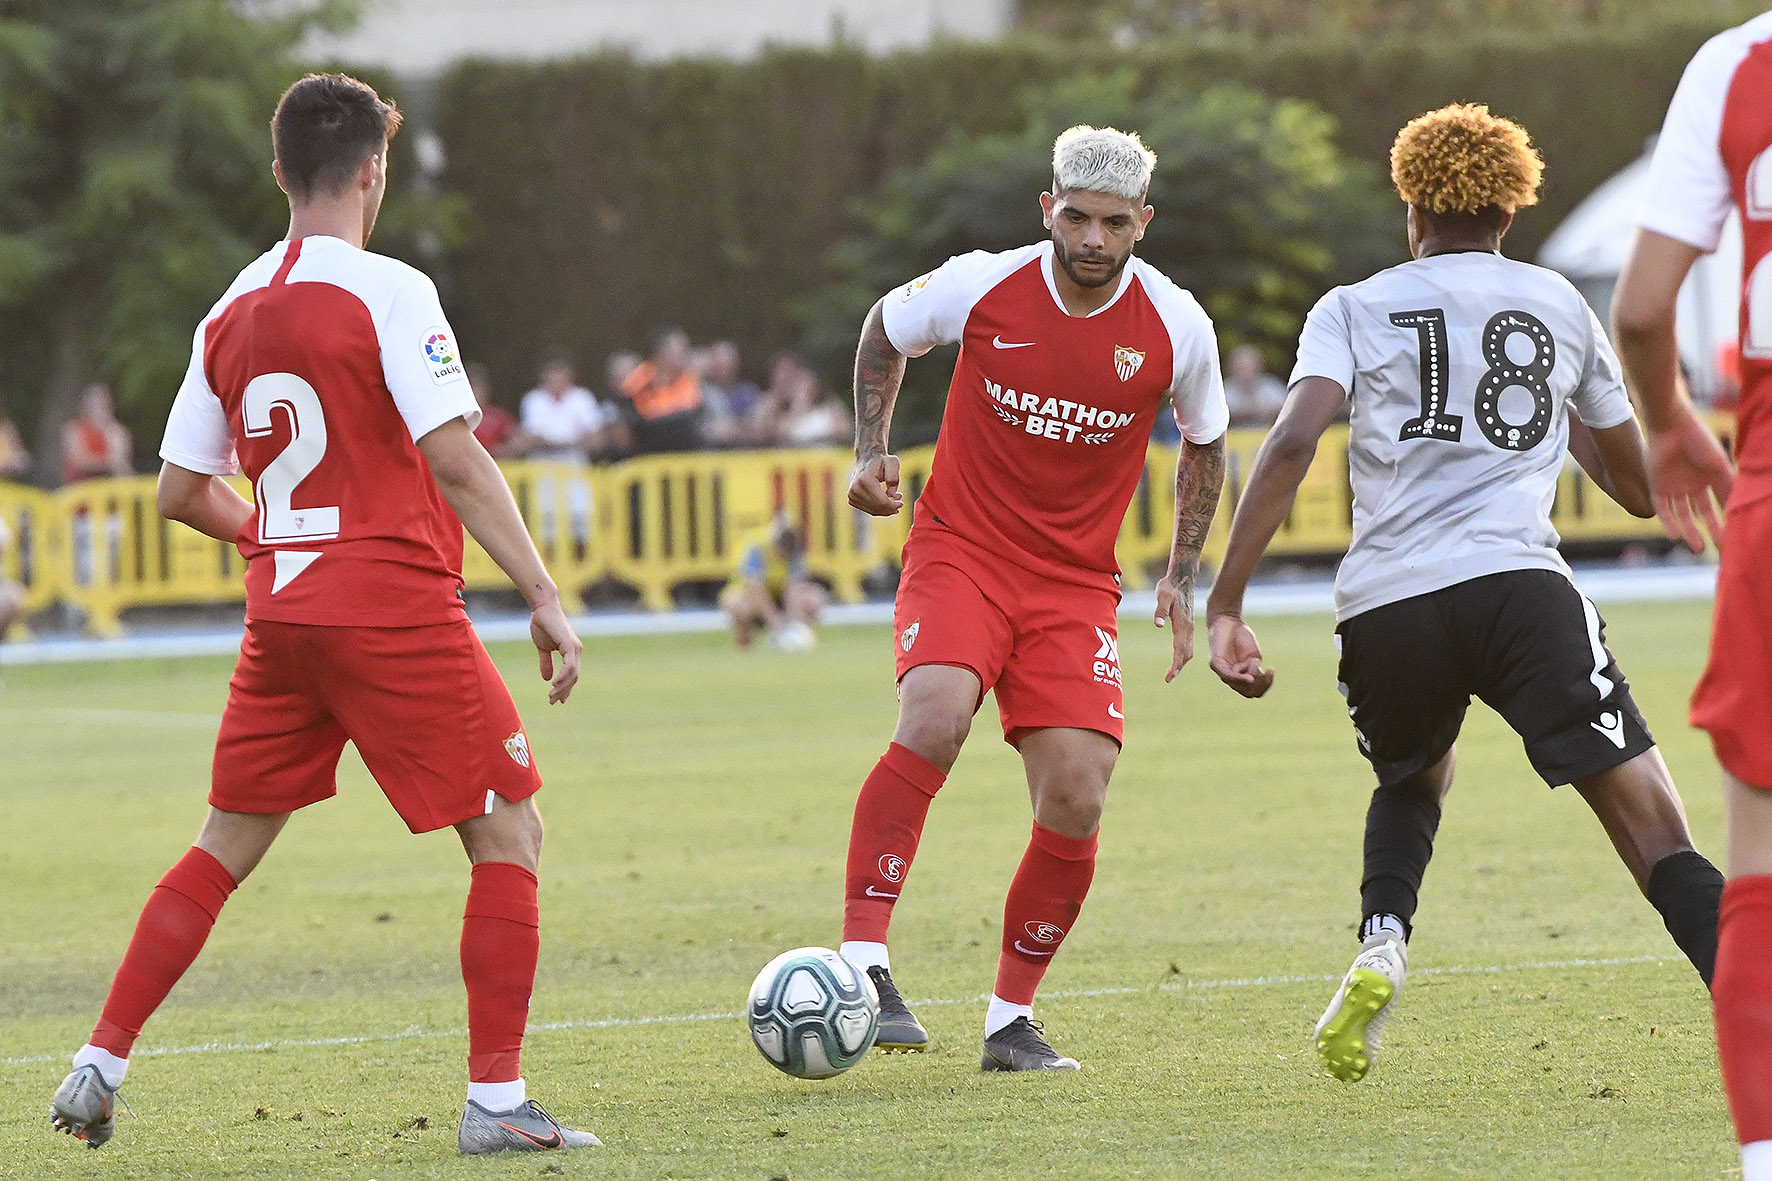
column 935, row 734
column 1073, row 812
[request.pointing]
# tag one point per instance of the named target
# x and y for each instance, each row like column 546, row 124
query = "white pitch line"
column 167, row 719
column 692, row 1018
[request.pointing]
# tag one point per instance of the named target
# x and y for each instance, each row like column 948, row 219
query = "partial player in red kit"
column 1069, row 350
column 332, row 376
column 1714, row 155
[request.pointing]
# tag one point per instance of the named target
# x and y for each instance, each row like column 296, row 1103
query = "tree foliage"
column 1257, row 211
column 1127, row 21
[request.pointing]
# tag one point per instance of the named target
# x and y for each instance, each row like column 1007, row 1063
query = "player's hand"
column 1175, row 610
column 1236, row 655
column 1690, row 476
column 873, row 486
column 551, row 633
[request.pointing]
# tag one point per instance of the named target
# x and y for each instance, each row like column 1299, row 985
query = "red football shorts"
column 1049, row 649
column 1734, row 697
column 424, row 705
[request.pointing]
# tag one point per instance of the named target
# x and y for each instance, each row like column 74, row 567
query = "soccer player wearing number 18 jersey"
column 331, row 375
column 1469, row 377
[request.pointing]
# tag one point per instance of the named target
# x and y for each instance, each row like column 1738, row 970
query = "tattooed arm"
column 1267, row 499
column 879, row 369
column 1199, row 477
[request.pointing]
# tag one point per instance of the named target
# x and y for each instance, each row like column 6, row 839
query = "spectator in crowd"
column 663, row 396
column 807, row 417
column 498, row 431
column 772, row 590
column 15, row 461
column 1254, row 394
column 562, row 421
column 94, row 443
column 729, row 402
column 12, row 594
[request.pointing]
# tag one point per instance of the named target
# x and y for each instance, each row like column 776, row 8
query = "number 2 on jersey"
column 278, row 521
column 1436, row 420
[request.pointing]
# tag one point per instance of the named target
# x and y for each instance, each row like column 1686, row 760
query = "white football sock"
column 110, row 1067
column 1388, row 925
column 1756, row 1161
column 498, row 1097
column 1002, row 1013
column 865, row 955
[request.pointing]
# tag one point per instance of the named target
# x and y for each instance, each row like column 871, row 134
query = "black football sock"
column 1687, row 889
column 1400, row 828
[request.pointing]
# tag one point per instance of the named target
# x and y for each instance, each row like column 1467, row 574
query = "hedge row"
column 608, row 197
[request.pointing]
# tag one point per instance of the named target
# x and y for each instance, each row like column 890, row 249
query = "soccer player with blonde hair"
column 1070, row 348
column 1469, row 377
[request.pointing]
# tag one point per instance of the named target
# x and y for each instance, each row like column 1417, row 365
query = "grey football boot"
column 899, row 1031
column 83, row 1107
column 1021, row 1046
column 527, row 1128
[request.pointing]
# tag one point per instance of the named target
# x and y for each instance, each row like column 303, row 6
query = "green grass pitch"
column 698, row 802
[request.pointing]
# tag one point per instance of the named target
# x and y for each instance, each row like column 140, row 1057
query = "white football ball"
column 812, row 1013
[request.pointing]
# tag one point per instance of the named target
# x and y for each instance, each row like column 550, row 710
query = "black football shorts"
column 1525, row 642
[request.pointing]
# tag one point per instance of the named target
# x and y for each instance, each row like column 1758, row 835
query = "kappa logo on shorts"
column 517, row 746
column 1611, row 724
column 910, row 634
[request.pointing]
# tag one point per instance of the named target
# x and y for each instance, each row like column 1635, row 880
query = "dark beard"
column 1058, row 252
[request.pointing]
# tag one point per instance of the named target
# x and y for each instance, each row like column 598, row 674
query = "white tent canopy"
column 1590, row 247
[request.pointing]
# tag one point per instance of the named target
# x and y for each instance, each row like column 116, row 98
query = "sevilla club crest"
column 1126, row 362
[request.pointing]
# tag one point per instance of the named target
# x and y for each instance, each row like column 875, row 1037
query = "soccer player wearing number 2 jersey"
column 1715, row 154
column 1069, row 349
column 332, row 376
column 1469, row 376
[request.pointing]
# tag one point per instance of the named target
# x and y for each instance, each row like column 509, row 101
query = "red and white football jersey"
column 1049, row 415
column 319, row 369
column 1715, row 152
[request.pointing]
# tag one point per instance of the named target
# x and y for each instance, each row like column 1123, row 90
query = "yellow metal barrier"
column 660, row 522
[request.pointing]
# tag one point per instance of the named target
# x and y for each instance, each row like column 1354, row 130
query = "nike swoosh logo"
column 1003, row 344
column 1114, row 712
column 873, row 893
column 554, row 1139
column 1031, row 951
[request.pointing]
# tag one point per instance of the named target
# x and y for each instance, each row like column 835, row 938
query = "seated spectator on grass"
column 94, row 443
column 15, row 461
column 806, row 416
column 1255, row 395
column 771, row 590
column 728, row 400
column 562, row 421
column 498, row 431
column 663, row 396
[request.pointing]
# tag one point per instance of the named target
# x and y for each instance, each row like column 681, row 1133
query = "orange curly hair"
column 1462, row 159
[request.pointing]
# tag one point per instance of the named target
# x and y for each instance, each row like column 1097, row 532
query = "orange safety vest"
column 653, row 398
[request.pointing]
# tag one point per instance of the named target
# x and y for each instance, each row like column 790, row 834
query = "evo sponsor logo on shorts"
column 1107, row 659
column 1056, row 418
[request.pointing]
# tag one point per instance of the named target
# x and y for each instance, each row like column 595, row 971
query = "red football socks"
column 1044, row 900
column 500, row 943
column 172, row 929
column 1741, row 994
column 889, row 815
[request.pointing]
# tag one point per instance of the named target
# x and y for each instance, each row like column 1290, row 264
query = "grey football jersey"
column 1460, row 370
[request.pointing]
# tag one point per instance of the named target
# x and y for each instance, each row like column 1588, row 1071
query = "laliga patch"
column 1126, row 362
column 915, row 285
column 441, row 358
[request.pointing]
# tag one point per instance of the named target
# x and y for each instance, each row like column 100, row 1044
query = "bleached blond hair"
column 1102, row 160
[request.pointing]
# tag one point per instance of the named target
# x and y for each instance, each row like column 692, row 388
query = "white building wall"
column 422, row 37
